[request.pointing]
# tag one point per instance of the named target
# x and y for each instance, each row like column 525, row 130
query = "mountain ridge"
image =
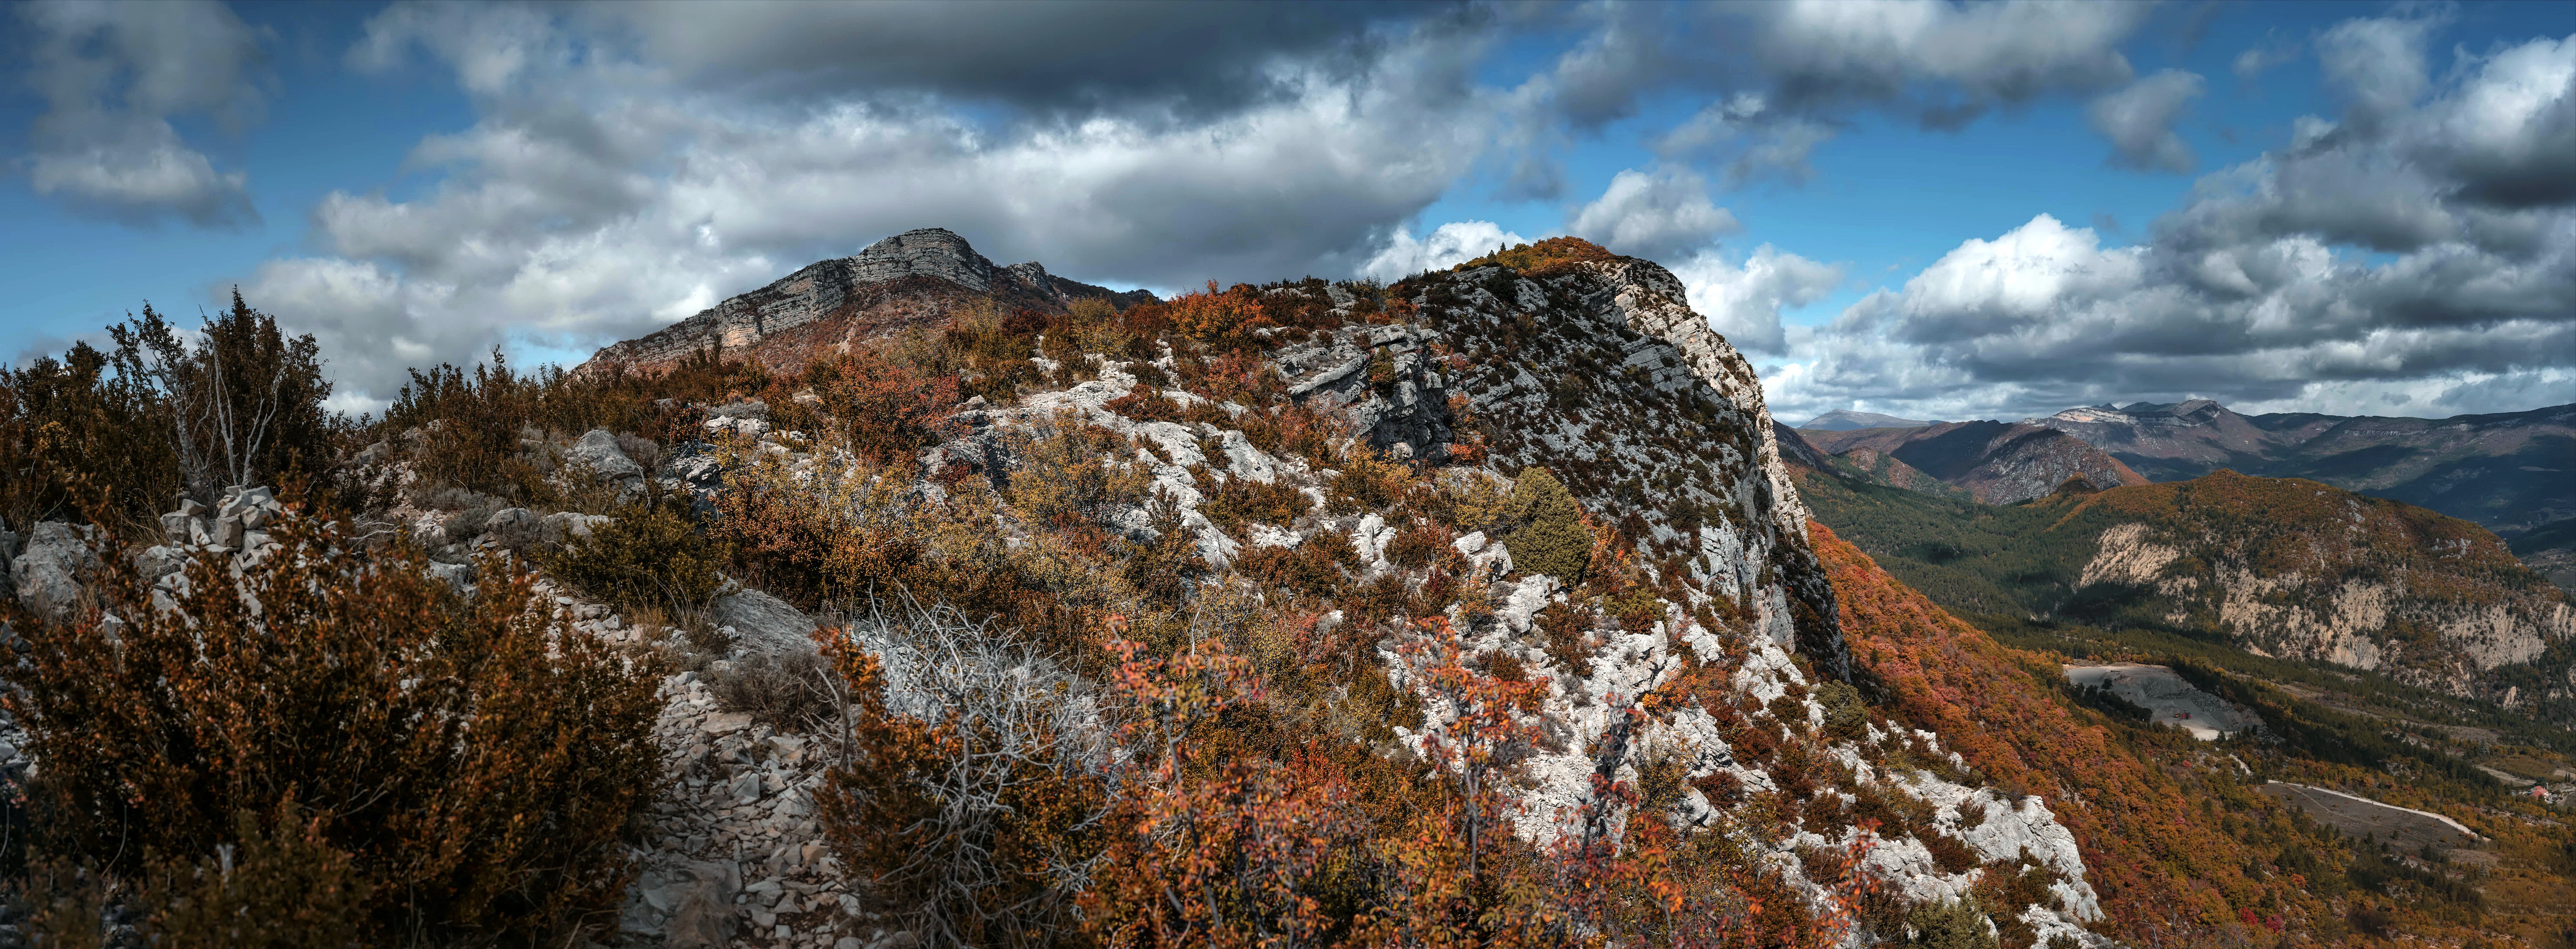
column 911, row 280
column 1993, row 462
column 2511, row 471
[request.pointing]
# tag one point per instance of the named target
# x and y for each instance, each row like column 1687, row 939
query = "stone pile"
column 733, row 854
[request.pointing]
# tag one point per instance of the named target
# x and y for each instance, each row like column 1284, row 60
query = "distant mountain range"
column 1990, row 462
column 1844, row 420
column 2511, row 471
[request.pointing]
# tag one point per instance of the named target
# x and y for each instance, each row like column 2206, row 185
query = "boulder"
column 750, row 409
column 457, row 576
column 598, row 448
column 48, row 575
column 563, row 526
column 10, row 545
column 186, row 524
column 699, row 896
column 763, row 623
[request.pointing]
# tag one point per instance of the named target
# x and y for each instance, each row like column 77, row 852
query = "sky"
column 1927, row 209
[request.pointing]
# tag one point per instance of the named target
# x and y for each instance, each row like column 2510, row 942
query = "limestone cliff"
column 2302, row 570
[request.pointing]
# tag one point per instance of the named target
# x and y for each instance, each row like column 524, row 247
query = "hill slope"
column 1994, row 462
column 1844, row 420
column 2277, row 567
column 2511, row 471
column 913, row 280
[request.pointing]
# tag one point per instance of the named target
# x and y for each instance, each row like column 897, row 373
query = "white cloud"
column 1659, row 215
column 1446, row 246
column 599, row 196
column 2257, row 290
column 1743, row 301
column 112, row 75
column 2139, row 121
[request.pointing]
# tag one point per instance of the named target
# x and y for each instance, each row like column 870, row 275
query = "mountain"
column 2276, row 567
column 1483, row 606
column 912, row 280
column 1844, row 420
column 1992, row 462
column 2511, row 471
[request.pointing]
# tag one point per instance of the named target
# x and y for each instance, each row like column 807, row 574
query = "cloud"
column 1743, row 301
column 112, row 76
column 2415, row 256
column 2256, row 60
column 1779, row 79
column 1126, row 56
column 1974, row 55
column 600, row 195
column 1447, row 245
column 1659, row 215
column 2139, row 121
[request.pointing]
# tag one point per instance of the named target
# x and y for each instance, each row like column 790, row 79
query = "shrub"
column 1417, row 546
column 1146, row 404
column 1369, row 482
column 477, row 759
column 1950, row 924
column 785, row 692
column 1209, row 847
column 1215, row 313
column 972, row 797
column 83, row 436
column 649, row 554
column 1242, row 499
column 1070, row 472
column 245, row 399
column 1551, row 537
column 884, row 409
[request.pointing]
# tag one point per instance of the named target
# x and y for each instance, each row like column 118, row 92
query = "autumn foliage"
column 2161, row 864
column 470, row 763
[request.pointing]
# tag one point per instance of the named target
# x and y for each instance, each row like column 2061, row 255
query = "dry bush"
column 477, row 759
column 973, row 792
column 1417, row 546
column 1146, row 404
column 785, row 692
column 1241, row 499
column 1369, row 482
column 648, row 553
column 1070, row 472
column 885, row 409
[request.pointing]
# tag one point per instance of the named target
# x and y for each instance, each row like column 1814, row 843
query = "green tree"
column 1551, row 538
column 245, row 400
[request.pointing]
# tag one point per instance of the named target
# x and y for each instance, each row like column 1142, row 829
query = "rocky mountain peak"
column 905, row 281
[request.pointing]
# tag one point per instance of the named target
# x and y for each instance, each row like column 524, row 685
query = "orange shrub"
column 1216, row 313
column 478, row 759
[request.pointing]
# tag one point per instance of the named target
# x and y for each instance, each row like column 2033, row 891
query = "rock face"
column 1994, row 462
column 909, row 280
column 2510, row 471
column 59, row 557
column 2301, row 570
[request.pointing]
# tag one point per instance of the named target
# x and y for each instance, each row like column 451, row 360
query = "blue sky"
column 421, row 183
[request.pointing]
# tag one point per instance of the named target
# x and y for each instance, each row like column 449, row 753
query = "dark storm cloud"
column 1193, row 60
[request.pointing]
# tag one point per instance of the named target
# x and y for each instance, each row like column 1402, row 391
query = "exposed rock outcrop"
column 913, row 279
